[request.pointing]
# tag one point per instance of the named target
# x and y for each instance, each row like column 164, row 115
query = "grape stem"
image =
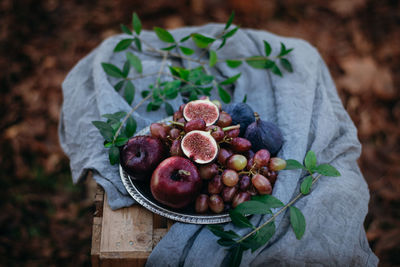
column 277, row 213
column 177, row 123
column 231, row 127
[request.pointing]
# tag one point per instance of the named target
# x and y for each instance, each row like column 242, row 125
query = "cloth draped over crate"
column 304, row 104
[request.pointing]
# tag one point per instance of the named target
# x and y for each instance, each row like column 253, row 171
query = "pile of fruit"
column 206, row 158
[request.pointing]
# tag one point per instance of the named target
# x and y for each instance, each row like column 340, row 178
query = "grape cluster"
column 236, row 174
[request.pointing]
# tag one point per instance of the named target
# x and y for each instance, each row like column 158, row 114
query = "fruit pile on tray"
column 206, row 158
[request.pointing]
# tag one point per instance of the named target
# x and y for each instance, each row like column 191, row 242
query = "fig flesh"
column 264, row 135
column 199, row 146
column 201, row 109
column 141, row 155
column 242, row 114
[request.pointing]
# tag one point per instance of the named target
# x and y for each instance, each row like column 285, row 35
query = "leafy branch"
column 189, row 83
column 263, row 204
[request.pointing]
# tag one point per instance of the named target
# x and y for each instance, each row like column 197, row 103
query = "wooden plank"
column 126, row 233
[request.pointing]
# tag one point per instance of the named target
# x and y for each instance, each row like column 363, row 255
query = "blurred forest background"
column 46, row 220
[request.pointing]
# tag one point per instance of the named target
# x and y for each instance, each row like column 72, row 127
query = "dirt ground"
column 45, row 220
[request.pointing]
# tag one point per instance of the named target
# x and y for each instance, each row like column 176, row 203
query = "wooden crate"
column 124, row 237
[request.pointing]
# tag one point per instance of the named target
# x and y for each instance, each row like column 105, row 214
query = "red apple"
column 141, row 155
column 176, row 182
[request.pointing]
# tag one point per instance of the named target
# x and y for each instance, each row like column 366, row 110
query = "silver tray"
column 140, row 191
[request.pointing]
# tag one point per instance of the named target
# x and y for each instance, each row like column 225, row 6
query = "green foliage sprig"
column 263, row 204
column 190, row 83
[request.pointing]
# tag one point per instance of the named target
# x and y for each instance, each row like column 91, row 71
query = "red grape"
column 195, row 124
column 215, row 185
column 224, row 119
column 216, row 203
column 208, row 171
column 223, row 155
column 262, row 184
column 228, row 193
column 236, row 162
column 240, row 198
column 216, row 132
column 240, row 144
column 244, row 183
column 201, row 205
column 261, row 158
column 230, row 177
column 159, row 131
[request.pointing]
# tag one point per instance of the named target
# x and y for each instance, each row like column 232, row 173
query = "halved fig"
column 201, row 109
column 199, row 146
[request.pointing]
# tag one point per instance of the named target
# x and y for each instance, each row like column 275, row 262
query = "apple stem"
column 257, row 116
column 184, row 172
column 177, row 123
column 231, row 127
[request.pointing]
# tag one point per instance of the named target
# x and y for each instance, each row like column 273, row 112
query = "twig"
column 142, row 101
column 276, row 214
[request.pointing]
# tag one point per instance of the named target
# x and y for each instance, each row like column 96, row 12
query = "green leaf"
column 235, row 256
column 310, row 160
column 226, row 242
column 275, row 69
column 130, row 127
column 224, row 95
column 184, row 39
column 230, row 20
column 171, row 89
column 244, row 99
column 168, row 48
column 286, row 64
column 108, row 144
column 213, row 58
column 113, row 155
column 164, row 35
column 112, row 70
column 115, row 117
column 193, row 95
column 169, row 109
column 260, row 62
column 239, row 220
column 125, row 29
column 267, row 48
column 180, row 72
column 327, row 170
column 297, row 221
column 252, row 207
column 138, row 44
column 105, row 130
column 230, row 33
column 129, row 92
column 145, row 93
column 231, row 80
column 126, row 68
column 152, row 106
column 306, row 185
column 260, row 238
column 222, row 44
column 134, row 61
column 233, row 63
column 199, row 77
column 120, row 141
column 123, row 44
column 270, row 202
column 119, row 85
column 292, row 164
column 220, row 232
column 137, row 25
column 201, row 40
column 284, row 51
column 187, row 51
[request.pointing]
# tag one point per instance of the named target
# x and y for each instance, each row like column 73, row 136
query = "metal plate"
column 140, row 191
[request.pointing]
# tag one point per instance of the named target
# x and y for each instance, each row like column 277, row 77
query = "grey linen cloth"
column 306, row 107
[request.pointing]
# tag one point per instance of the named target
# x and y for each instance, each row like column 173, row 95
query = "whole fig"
column 242, row 114
column 264, row 135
